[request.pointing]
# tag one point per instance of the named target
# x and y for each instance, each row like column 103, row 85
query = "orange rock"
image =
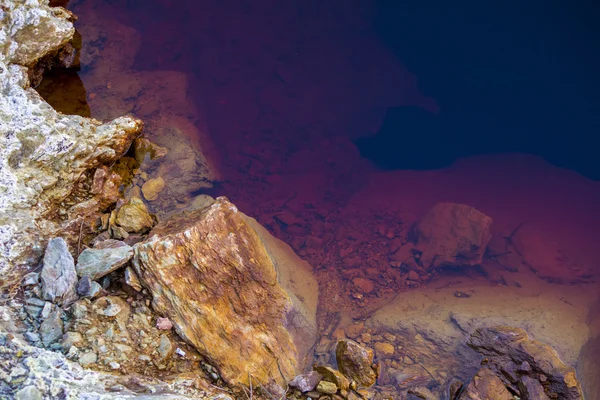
column 237, row 294
column 363, row 285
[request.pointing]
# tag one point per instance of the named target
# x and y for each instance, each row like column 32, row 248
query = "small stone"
column 112, row 310
column 51, row 329
column 79, row 310
column 46, row 310
column 413, row 275
column 152, row 187
column 33, row 337
column 18, row 371
column 144, row 358
column 354, row 330
column 88, row 358
column 363, row 285
column 132, row 279
column 134, row 216
column 306, row 382
column 389, row 337
column 96, row 263
column 384, row 349
column 28, row 393
column 114, row 365
column 355, row 362
column 70, row 339
column 33, row 311
column 327, row 387
column 164, row 324
column 110, row 333
column 333, row 375
column 144, row 149
column 118, row 232
column 165, row 347
column 31, row 279
column 59, row 278
column 34, row 301
column 83, row 286
column 180, row 352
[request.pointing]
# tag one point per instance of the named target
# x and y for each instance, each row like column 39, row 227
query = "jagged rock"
column 59, row 279
column 165, row 348
column 88, row 288
column 506, row 349
column 452, row 235
column 144, row 149
column 132, row 279
column 44, row 154
column 31, row 279
column 52, row 328
column 327, row 387
column 88, row 358
column 333, row 375
column 70, row 339
column 152, row 187
column 238, row 295
column 134, row 216
column 486, row 385
column 306, row 382
column 356, row 362
column 98, row 262
column 531, row 389
column 28, row 393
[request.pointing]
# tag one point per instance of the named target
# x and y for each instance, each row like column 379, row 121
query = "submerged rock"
column 152, row 187
column 98, row 262
column 306, row 382
column 452, row 235
column 59, row 279
column 240, row 296
column 356, row 362
column 486, row 385
column 134, row 216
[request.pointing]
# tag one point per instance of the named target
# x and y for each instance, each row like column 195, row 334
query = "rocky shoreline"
column 102, row 299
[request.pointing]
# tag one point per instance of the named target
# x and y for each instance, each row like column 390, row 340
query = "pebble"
column 164, row 324
column 366, row 337
column 413, row 275
column 152, row 187
column 306, row 382
column 34, row 301
column 180, row 352
column 327, row 387
column 46, row 310
column 115, row 365
column 18, row 371
column 389, row 337
column 70, row 339
column 51, row 329
column 33, row 337
column 31, row 279
column 28, row 393
column 164, row 349
column 384, row 349
column 132, row 279
column 88, row 358
column 96, row 263
column 112, row 310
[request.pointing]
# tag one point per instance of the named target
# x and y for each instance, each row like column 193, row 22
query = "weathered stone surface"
column 96, row 263
column 237, row 294
column 59, row 279
column 43, row 154
column 486, row 385
column 452, row 235
column 306, row 382
column 134, row 216
column 507, row 348
column 356, row 362
column 51, row 330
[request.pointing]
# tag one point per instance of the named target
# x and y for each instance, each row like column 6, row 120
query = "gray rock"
column 79, row 310
column 47, row 309
column 28, row 393
column 31, row 279
column 70, row 339
column 88, row 358
column 112, row 310
column 132, row 279
column 165, row 347
column 34, row 301
column 33, row 311
column 306, row 382
column 51, row 329
column 114, row 365
column 59, row 278
column 83, row 286
column 33, row 337
column 96, row 263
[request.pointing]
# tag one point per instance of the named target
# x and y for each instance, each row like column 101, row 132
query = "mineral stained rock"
column 512, row 355
column 43, row 154
column 238, row 295
column 452, row 235
column 486, row 385
column 356, row 361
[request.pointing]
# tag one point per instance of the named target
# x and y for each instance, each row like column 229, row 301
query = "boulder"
column 356, row 362
column 241, row 297
column 96, row 263
column 452, row 235
column 59, row 279
column 512, row 355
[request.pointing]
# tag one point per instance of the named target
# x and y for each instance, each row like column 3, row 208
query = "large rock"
column 240, row 296
column 44, row 155
column 452, row 235
column 511, row 355
column 59, row 279
column 486, row 385
column 95, row 263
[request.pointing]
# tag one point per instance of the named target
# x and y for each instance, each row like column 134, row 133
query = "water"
column 274, row 98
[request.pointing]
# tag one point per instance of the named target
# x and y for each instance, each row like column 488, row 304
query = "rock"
column 88, row 358
column 59, row 279
column 51, row 329
column 134, row 216
column 363, row 285
column 33, row 337
column 164, row 324
column 327, row 387
column 452, row 235
column 180, row 352
column 112, row 310
column 507, row 348
column 132, row 279
column 152, row 187
column 46, row 310
column 486, row 385
column 384, row 350
column 28, row 393
column 84, row 286
column 424, row 393
column 355, row 330
column 96, row 263
column 144, row 149
column 165, row 348
column 70, row 339
column 356, row 362
column 201, row 201
column 114, row 365
column 333, row 375
column 531, row 389
column 306, row 382
column 31, row 279
column 264, row 325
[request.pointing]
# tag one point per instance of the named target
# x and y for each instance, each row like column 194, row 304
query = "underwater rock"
column 507, row 348
column 306, row 382
column 486, row 385
column 241, row 297
column 59, row 278
column 98, row 262
column 134, row 216
column 452, row 235
column 356, row 362
column 152, row 187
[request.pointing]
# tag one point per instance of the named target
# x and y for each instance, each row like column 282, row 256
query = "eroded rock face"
column 238, row 295
column 515, row 358
column 44, row 154
column 452, row 235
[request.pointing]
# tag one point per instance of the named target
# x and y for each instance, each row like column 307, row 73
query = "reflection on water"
column 271, row 116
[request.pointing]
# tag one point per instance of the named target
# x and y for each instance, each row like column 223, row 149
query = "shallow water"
column 274, row 97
